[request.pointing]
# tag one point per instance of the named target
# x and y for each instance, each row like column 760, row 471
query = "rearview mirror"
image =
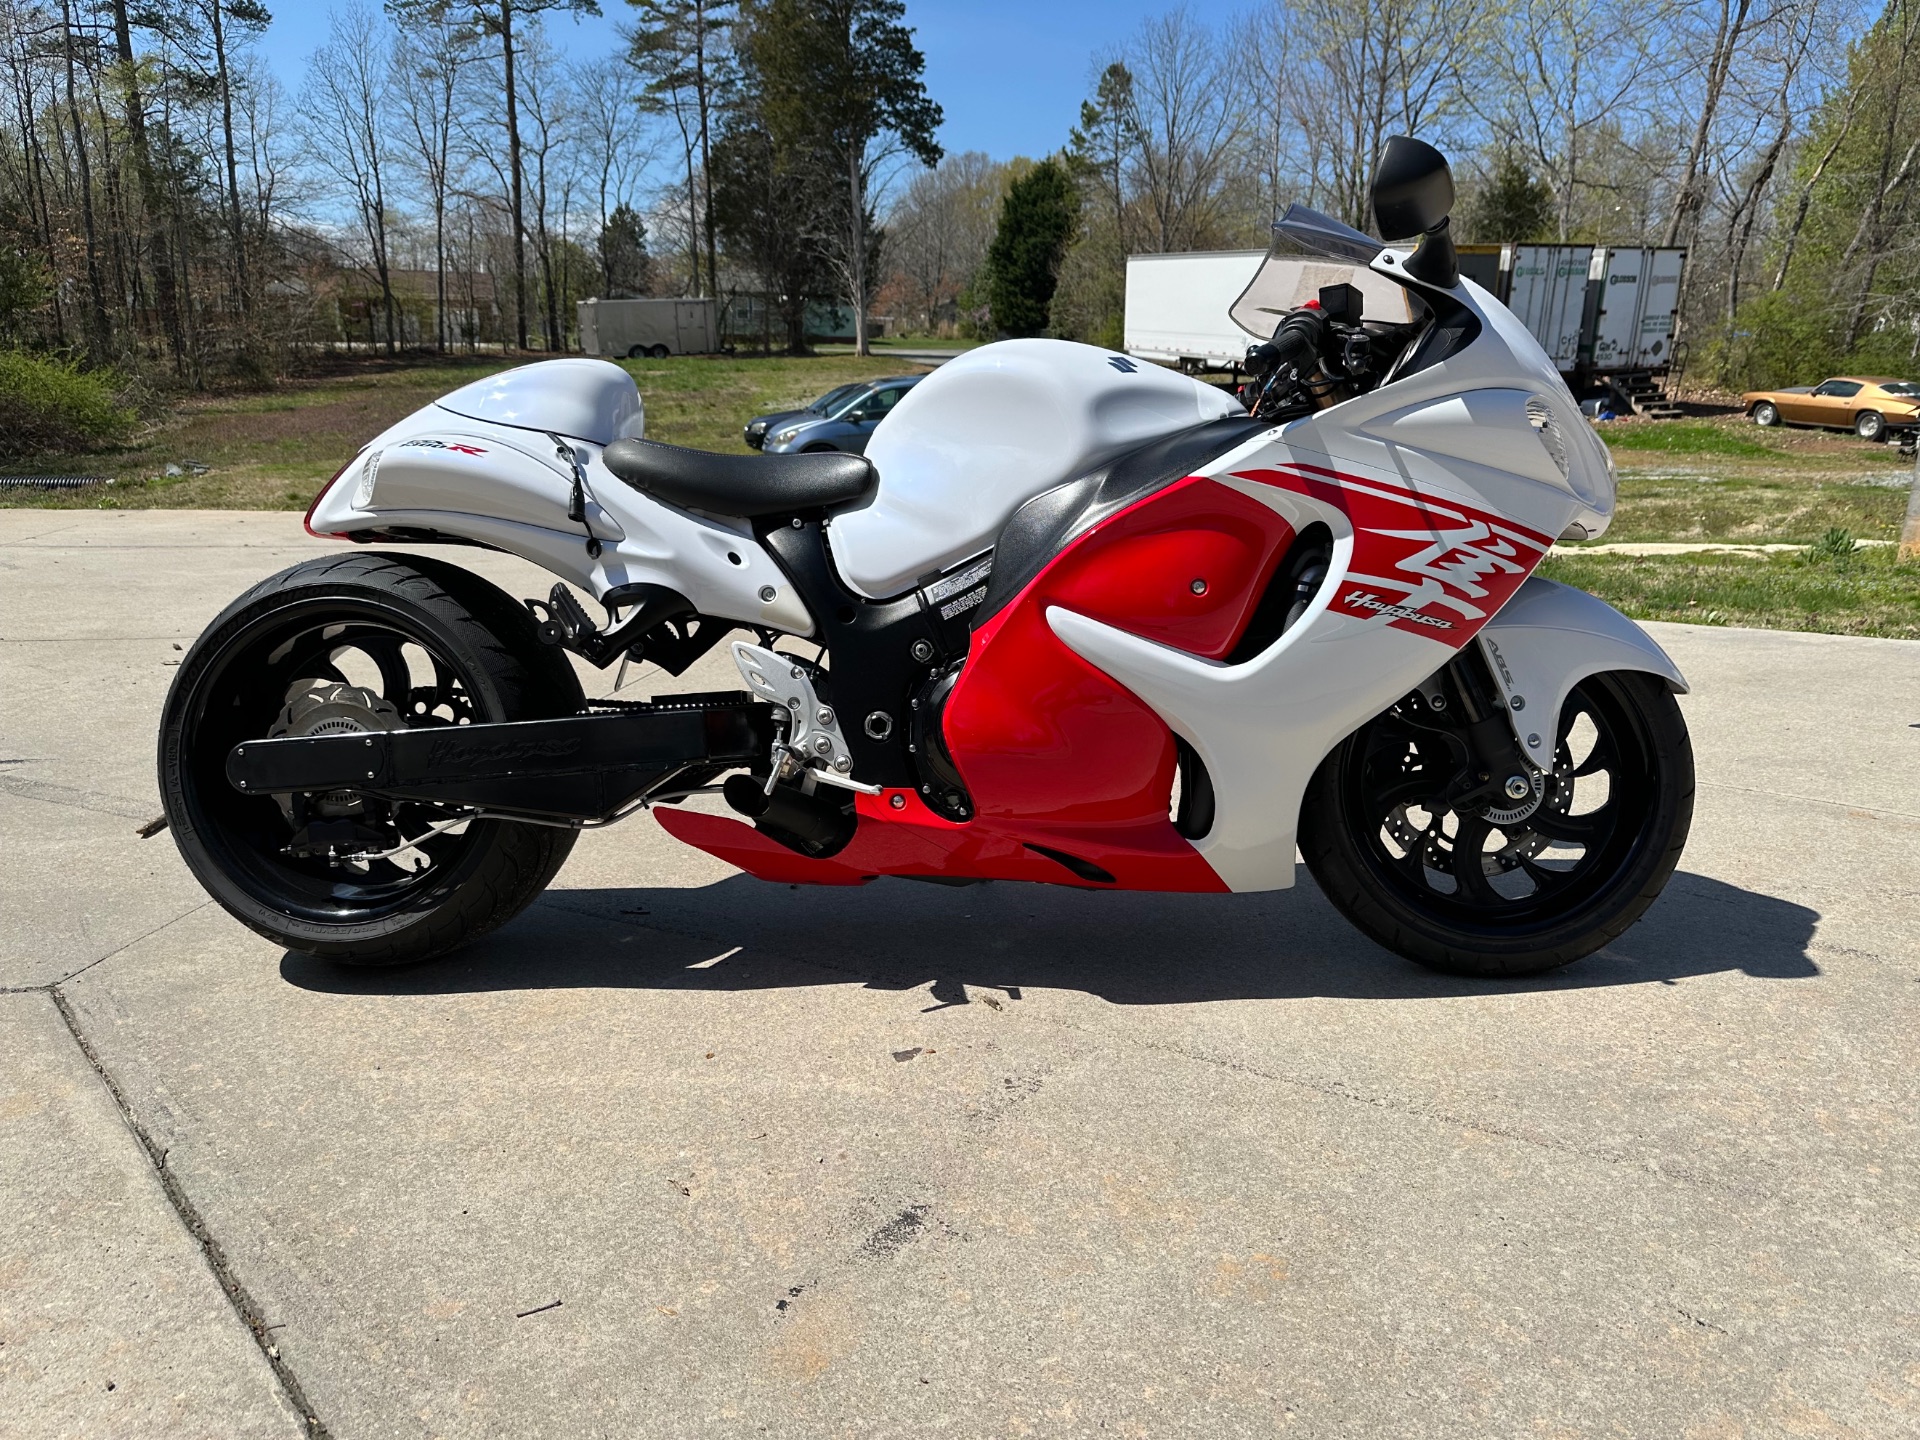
column 1413, row 195
column 1412, row 190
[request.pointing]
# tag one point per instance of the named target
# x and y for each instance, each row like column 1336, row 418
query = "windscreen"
column 1310, row 250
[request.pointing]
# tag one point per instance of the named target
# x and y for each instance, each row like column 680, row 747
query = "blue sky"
column 1010, row 75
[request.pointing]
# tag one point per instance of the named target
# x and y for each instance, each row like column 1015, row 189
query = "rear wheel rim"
column 1488, row 881
column 243, row 689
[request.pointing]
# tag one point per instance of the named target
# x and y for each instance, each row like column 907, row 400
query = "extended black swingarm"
column 576, row 770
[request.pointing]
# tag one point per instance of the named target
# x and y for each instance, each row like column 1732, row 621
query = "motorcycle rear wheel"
column 359, row 642
column 1464, row 894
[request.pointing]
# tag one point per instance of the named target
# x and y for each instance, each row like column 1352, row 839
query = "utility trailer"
column 633, row 328
column 1547, row 289
column 1605, row 314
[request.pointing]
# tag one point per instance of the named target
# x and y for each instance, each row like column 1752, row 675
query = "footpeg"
column 567, row 623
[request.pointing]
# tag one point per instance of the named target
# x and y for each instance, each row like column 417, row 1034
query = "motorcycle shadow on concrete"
column 1128, row 949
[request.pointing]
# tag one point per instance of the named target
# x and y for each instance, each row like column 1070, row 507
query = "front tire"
column 1766, row 413
column 1467, row 895
column 358, row 642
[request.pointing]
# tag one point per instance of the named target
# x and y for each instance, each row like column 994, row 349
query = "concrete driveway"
column 659, row 1158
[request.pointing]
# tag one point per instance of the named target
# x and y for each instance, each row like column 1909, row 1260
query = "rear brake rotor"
column 330, row 708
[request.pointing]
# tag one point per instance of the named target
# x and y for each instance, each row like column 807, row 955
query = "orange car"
column 1867, row 405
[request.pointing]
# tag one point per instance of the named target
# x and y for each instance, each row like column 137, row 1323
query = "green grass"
column 1748, row 510
column 272, row 450
column 1685, row 437
column 1718, row 479
column 1869, row 592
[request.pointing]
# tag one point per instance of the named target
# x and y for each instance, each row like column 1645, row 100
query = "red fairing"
column 1056, row 754
column 1051, row 748
column 1436, row 568
column 306, row 522
column 906, row 838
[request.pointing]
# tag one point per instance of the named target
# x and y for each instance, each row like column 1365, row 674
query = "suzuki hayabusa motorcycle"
column 1072, row 619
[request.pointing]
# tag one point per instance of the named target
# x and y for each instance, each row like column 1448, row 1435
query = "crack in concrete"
column 72, row 796
column 122, row 949
column 230, row 1284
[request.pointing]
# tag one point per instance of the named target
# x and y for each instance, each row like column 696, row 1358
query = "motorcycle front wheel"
column 1505, row 894
column 358, row 643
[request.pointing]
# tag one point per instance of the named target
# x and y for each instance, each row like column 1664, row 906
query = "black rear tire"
column 1398, row 892
column 486, row 663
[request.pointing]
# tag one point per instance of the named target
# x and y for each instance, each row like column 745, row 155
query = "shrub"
column 47, row 404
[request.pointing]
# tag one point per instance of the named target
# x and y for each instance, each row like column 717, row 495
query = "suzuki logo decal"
column 1122, row 364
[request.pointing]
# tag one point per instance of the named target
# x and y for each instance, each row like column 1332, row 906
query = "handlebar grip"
column 1295, row 344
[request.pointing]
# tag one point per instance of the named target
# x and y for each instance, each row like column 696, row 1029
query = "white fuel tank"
column 989, row 430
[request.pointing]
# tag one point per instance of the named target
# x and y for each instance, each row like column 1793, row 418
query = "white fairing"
column 1436, row 487
column 990, row 430
column 591, row 400
column 498, row 477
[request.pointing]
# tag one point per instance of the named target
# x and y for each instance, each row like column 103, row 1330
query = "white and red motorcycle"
column 1072, row 619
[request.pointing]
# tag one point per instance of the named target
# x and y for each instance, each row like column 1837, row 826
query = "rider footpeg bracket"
column 813, row 728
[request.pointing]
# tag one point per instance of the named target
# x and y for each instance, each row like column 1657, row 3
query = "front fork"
column 1501, row 777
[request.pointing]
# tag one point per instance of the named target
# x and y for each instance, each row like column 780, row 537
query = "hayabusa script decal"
column 1426, row 566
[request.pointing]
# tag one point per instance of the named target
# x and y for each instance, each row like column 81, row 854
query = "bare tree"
column 344, row 109
column 1188, row 135
column 431, row 57
column 681, row 50
column 615, row 153
column 938, row 232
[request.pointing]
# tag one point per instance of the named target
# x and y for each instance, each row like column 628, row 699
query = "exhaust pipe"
column 811, row 824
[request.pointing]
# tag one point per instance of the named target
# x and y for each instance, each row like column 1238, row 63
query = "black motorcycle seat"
column 748, row 487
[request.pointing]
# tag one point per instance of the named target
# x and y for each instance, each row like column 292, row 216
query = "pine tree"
column 1023, row 263
column 1514, row 206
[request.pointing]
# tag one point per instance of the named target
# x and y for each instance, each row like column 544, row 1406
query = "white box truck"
column 1637, row 296
column 1177, row 307
column 658, row 328
column 1182, row 309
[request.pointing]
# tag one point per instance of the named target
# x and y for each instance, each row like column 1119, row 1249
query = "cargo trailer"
column 1177, row 307
column 1548, row 291
column 633, row 328
column 1636, row 298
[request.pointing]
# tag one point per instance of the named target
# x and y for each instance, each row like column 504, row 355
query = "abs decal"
column 1429, row 567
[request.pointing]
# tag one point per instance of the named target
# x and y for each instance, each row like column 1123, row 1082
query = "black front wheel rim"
column 1480, row 876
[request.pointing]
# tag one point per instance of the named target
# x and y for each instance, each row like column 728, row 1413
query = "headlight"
column 785, row 435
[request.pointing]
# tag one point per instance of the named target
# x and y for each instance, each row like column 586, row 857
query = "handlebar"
column 1295, row 343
